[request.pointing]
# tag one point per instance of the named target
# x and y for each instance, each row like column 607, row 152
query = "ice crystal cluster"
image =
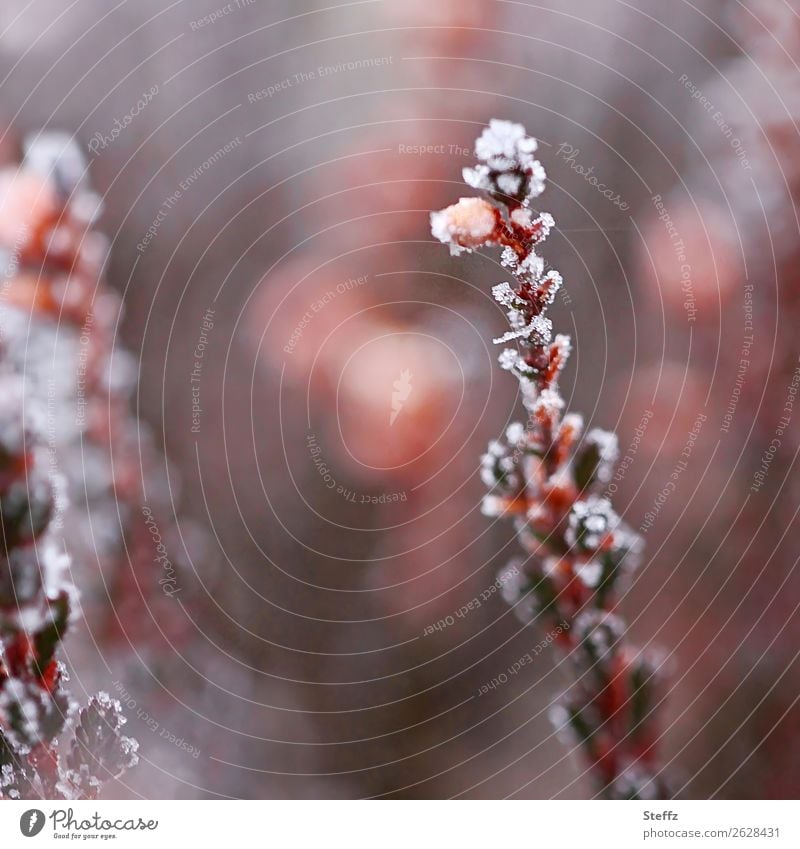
column 547, row 475
column 51, row 263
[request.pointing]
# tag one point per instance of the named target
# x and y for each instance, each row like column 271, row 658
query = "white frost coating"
column 606, row 442
column 477, row 178
column 505, row 139
column 591, row 520
column 548, row 222
column 489, row 463
column 539, row 330
column 516, row 590
column 533, row 265
column 572, row 421
column 56, row 154
column 464, row 225
column 509, row 359
column 549, row 403
column 17, row 699
column 530, row 394
column 495, row 449
column 508, row 258
column 559, row 719
column 564, row 345
column 55, row 564
column 498, row 467
column 601, row 629
column 515, row 433
column 509, row 183
column 492, row 506
column 545, row 222
column 506, row 159
column 522, row 217
column 635, row 779
column 590, row 573
column 538, row 180
column 512, row 581
column 107, row 703
column 130, row 747
column 552, row 282
column 504, row 294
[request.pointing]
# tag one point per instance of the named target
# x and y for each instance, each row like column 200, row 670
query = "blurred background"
column 306, row 379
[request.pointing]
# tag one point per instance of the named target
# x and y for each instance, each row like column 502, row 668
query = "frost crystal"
column 606, row 442
column 532, row 266
column 601, row 630
column 508, row 259
column 515, row 433
column 509, row 183
column 574, row 423
column 516, row 590
column 492, row 506
column 509, row 359
column 507, row 165
column 590, row 573
column 57, row 157
column 539, row 330
column 522, row 217
column 548, row 404
column 636, row 783
column 504, row 140
column 590, row 522
column 504, row 294
column 498, row 467
column 563, row 344
column 606, row 445
column 549, row 286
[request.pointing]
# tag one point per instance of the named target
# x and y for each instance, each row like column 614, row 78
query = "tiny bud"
column 465, row 225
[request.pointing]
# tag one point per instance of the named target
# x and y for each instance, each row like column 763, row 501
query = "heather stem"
column 548, row 475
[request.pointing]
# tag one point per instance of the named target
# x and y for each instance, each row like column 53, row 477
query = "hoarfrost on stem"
column 546, row 475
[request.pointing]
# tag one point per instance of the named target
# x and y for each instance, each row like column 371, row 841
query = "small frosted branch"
column 546, row 475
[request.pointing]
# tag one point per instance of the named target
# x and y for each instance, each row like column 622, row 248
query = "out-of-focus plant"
column 58, row 323
column 35, row 608
column 548, row 477
column 51, row 398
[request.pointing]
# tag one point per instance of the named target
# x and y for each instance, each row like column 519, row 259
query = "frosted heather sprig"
column 548, row 477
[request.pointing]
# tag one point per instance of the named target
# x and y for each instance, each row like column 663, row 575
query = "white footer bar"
column 402, row 824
